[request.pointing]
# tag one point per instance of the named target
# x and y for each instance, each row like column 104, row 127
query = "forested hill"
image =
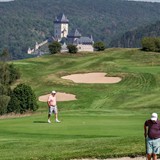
column 26, row 21
column 132, row 39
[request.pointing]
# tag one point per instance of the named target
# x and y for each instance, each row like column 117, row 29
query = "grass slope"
column 106, row 120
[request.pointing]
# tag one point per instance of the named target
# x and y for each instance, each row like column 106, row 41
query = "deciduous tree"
column 99, row 46
column 54, row 47
column 24, row 98
column 72, row 48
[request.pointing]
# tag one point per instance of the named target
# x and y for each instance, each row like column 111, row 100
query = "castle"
column 62, row 35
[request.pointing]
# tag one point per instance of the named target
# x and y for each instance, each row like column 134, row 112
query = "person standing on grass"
column 152, row 136
column 52, row 104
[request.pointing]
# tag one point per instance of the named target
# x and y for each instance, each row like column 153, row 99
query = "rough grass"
column 106, row 120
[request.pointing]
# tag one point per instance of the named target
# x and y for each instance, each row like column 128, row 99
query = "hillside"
column 132, row 39
column 105, row 121
column 26, row 21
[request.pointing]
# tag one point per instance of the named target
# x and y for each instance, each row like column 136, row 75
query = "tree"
column 14, row 105
column 4, row 56
column 151, row 44
column 157, row 44
column 8, row 73
column 4, row 100
column 54, row 47
column 5, row 74
column 14, row 73
column 24, row 99
column 99, row 46
column 148, row 44
column 5, row 90
column 72, row 48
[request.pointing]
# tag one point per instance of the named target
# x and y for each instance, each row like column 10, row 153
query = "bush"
column 8, row 73
column 54, row 47
column 4, row 100
column 22, row 99
column 72, row 48
column 99, row 46
column 5, row 56
column 151, row 44
column 157, row 44
column 14, row 73
column 5, row 90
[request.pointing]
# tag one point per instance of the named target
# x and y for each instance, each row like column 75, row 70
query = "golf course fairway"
column 105, row 120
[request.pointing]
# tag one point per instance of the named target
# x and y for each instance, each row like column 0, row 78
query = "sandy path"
column 92, row 78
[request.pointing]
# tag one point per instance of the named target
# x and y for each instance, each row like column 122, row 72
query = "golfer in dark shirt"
column 152, row 135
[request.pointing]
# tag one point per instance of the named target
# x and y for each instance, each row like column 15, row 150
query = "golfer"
column 52, row 104
column 152, row 135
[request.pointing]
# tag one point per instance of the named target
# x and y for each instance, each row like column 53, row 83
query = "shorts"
column 153, row 146
column 53, row 109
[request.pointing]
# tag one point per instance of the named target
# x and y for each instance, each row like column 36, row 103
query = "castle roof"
column 84, row 40
column 61, row 19
column 74, row 34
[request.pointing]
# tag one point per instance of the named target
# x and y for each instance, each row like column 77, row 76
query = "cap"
column 53, row 92
column 154, row 117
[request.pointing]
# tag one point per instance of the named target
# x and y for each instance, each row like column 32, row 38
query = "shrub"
column 157, row 44
column 5, row 56
column 4, row 90
column 22, row 99
column 99, row 46
column 14, row 73
column 151, row 44
column 4, row 100
column 72, row 48
column 8, row 73
column 54, row 47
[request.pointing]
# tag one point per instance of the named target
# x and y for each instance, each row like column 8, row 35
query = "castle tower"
column 61, row 27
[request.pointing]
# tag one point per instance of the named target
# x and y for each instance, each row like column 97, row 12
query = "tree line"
column 147, row 43
column 132, row 39
column 55, row 47
column 23, row 23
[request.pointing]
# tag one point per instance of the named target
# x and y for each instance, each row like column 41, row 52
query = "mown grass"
column 81, row 134
column 106, row 120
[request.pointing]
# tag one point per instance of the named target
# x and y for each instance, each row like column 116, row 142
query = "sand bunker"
column 82, row 78
column 60, row 97
column 92, row 78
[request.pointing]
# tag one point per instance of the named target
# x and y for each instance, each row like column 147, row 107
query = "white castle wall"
column 83, row 48
column 37, row 46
